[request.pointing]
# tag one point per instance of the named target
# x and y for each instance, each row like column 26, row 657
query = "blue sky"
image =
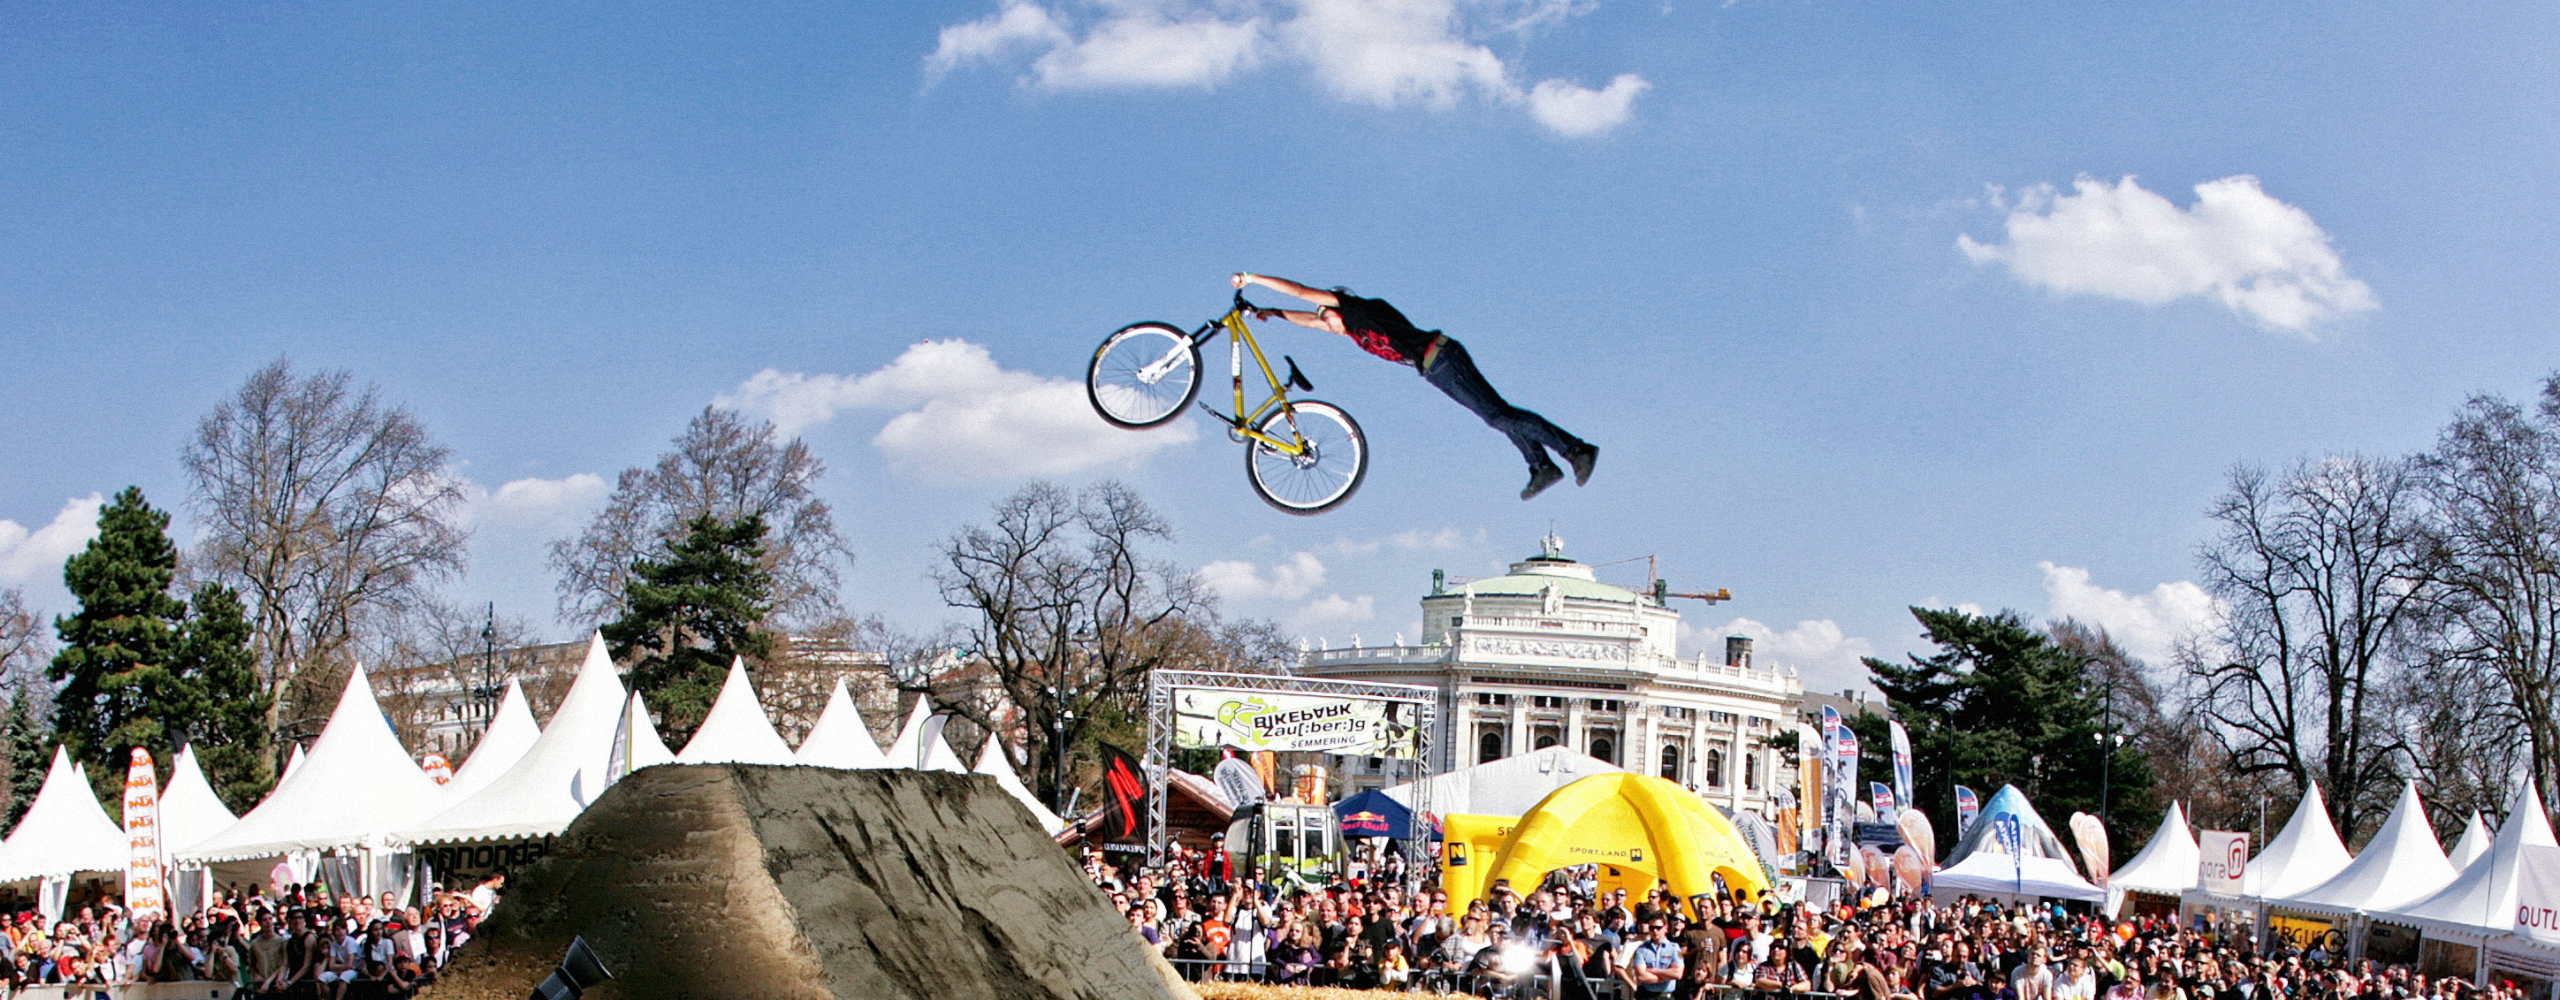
column 1858, row 302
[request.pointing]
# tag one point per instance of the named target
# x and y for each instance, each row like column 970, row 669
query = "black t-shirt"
column 1376, row 325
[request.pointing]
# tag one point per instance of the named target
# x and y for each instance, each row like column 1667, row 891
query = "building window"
column 1715, row 769
column 1489, row 698
column 1545, row 736
column 1756, row 722
column 1489, row 746
column 1677, row 712
column 1750, row 772
column 1721, row 718
column 1671, row 761
column 1604, row 704
column 1546, row 701
column 1455, row 622
column 1604, row 747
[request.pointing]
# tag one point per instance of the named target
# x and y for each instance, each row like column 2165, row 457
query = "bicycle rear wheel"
column 1336, row 459
column 1143, row 375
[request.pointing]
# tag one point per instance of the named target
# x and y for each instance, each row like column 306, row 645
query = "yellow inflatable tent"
column 1628, row 822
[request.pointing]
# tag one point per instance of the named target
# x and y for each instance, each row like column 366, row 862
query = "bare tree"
column 2321, row 573
column 22, row 642
column 444, row 663
column 326, row 509
column 728, row 467
column 1071, row 614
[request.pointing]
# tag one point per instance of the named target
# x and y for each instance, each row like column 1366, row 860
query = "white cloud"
column 2259, row 257
column 533, row 500
column 1820, row 652
column 1385, row 53
column 1238, row 580
column 1334, row 609
column 959, row 416
column 2148, row 626
column 37, row 556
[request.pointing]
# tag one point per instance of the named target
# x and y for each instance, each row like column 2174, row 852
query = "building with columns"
column 1547, row 655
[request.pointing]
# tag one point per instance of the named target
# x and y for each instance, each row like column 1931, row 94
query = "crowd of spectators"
column 303, row 942
column 1578, row 939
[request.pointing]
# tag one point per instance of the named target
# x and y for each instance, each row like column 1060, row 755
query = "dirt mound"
column 734, row 880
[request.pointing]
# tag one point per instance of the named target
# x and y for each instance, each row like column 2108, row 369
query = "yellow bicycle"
column 1303, row 456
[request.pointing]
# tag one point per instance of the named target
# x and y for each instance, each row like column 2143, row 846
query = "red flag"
column 1124, row 786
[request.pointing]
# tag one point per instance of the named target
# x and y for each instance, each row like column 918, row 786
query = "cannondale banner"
column 1273, row 720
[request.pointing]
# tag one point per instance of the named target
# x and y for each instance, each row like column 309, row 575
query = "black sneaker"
column 1539, row 479
column 1582, row 458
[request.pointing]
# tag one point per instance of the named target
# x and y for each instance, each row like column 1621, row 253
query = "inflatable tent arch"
column 1629, row 822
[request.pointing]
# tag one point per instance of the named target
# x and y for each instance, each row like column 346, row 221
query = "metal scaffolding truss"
column 1159, row 761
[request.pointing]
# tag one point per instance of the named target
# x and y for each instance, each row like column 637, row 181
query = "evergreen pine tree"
column 113, row 668
column 688, row 612
column 226, row 711
column 28, row 742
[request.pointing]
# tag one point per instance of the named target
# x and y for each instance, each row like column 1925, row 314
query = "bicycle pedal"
column 1297, row 379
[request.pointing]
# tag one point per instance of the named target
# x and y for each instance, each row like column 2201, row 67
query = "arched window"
column 1547, row 738
column 1715, row 769
column 1489, row 746
column 1750, row 771
column 1604, row 748
column 1671, row 760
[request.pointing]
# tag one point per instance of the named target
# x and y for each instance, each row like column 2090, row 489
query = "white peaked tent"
column 509, row 736
column 2474, row 843
column 1510, row 786
column 554, row 779
column 2040, row 868
column 355, row 789
column 991, row 763
column 841, row 738
column 2166, row 866
column 2481, row 901
column 735, row 731
column 293, row 763
column 636, row 739
column 2402, row 864
column 2303, row 855
column 64, row 831
column 920, row 745
column 190, row 812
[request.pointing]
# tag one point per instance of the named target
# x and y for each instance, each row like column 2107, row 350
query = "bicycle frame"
column 1239, row 340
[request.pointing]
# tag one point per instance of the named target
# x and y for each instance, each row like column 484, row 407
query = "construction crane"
column 1661, row 588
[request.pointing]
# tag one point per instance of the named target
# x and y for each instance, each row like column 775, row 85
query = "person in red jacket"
column 1444, row 362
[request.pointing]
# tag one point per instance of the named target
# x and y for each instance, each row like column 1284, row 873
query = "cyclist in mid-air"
column 1443, row 362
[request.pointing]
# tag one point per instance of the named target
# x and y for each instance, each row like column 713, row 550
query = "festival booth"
column 2163, row 870
column 841, row 739
column 2034, row 866
column 1510, row 786
column 64, row 836
column 2401, row 865
column 2470, row 927
column 511, row 732
column 510, row 822
column 2303, row 855
column 190, row 814
column 337, row 811
column 1636, row 828
column 736, row 730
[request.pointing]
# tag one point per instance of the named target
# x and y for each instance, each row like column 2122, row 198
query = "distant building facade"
column 1547, row 655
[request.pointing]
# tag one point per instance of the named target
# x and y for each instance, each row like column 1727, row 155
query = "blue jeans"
column 1455, row 373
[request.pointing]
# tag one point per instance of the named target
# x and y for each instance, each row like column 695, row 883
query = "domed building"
column 1546, row 655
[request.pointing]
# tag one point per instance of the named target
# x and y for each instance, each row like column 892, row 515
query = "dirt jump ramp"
column 735, row 880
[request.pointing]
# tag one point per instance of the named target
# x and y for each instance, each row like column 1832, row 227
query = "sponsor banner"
column 1883, row 797
column 2009, row 834
column 1968, row 806
column 1280, row 721
column 2222, row 860
column 144, row 867
column 2538, row 894
column 461, row 866
column 1901, row 766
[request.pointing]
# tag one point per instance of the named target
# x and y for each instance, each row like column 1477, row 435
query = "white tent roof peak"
column 292, row 762
column 908, row 750
column 2303, row 855
column 555, row 778
column 2482, row 899
column 735, row 730
column 2473, row 843
column 357, row 786
column 509, row 735
column 2401, row 865
column 2165, row 866
column 190, row 811
column 938, row 755
column 841, row 738
column 64, row 830
column 647, row 748
column 992, row 763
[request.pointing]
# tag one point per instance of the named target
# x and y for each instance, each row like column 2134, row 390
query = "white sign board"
column 1272, row 720
column 2538, row 894
column 2222, row 859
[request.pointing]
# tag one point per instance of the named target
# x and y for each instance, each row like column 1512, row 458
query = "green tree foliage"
column 28, row 742
column 2001, row 704
column 137, row 669
column 701, row 602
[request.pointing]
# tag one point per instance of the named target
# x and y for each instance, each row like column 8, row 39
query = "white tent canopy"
column 841, row 738
column 1510, row 786
column 190, row 812
column 1993, row 873
column 2303, row 855
column 292, row 762
column 64, row 831
column 736, row 731
column 2401, row 865
column 357, row 787
column 2474, row 843
column 509, row 735
column 991, row 763
column 2167, row 865
column 920, row 745
column 555, row 778
column 637, row 739
column 2481, row 901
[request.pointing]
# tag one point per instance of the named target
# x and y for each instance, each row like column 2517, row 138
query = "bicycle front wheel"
column 1143, row 375
column 1329, row 469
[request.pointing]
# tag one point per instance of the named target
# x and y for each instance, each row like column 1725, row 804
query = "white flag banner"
column 2538, row 894
column 2222, row 859
column 143, row 893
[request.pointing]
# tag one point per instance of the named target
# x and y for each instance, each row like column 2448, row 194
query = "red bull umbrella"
column 1373, row 814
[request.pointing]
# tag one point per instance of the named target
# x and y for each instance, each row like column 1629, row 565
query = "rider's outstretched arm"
column 1286, row 287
